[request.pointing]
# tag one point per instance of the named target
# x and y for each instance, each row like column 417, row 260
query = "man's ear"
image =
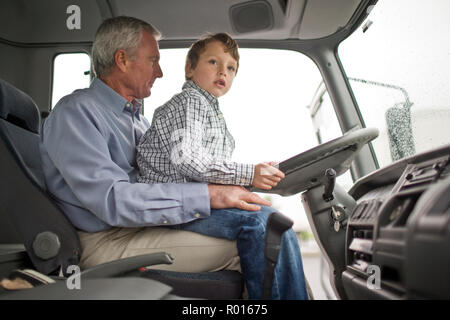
column 121, row 59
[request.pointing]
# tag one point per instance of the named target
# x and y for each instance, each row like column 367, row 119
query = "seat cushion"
column 218, row 285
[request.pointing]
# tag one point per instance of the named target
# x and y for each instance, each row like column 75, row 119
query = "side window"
column 265, row 110
column 325, row 122
column 70, row 72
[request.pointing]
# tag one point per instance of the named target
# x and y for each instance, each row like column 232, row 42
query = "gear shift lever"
column 329, row 183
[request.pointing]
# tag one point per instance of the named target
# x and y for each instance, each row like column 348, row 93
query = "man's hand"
column 266, row 176
column 226, row 196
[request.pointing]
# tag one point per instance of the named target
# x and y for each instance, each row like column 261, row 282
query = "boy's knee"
column 265, row 212
column 268, row 210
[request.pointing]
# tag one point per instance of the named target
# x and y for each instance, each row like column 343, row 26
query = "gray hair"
column 119, row 33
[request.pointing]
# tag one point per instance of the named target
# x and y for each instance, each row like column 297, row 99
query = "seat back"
column 49, row 238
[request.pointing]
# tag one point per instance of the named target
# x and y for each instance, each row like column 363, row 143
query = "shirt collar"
column 115, row 101
column 189, row 84
column 134, row 107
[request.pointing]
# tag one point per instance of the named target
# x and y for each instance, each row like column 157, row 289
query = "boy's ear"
column 188, row 70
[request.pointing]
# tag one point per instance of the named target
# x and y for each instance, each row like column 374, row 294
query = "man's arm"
column 79, row 145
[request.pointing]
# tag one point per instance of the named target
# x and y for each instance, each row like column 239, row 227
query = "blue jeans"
column 248, row 228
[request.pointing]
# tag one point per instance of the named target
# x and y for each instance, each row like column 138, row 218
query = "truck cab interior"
column 373, row 180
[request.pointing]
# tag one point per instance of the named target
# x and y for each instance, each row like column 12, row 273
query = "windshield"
column 401, row 83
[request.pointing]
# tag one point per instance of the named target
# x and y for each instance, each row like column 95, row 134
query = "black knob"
column 329, row 183
column 46, row 245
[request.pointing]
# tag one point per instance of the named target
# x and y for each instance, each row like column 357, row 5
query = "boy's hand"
column 266, row 176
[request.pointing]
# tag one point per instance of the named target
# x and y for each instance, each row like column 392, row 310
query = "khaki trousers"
column 192, row 252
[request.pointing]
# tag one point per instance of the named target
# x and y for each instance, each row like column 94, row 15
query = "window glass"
column 398, row 70
column 70, row 72
column 324, row 117
column 265, row 110
column 326, row 126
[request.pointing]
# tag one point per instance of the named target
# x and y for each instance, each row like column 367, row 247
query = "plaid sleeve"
column 191, row 151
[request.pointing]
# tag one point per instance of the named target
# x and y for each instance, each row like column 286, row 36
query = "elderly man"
column 88, row 150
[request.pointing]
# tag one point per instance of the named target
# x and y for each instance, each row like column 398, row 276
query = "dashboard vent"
column 366, row 211
column 360, row 249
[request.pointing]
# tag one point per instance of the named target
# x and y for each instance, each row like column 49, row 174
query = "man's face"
column 142, row 71
column 215, row 69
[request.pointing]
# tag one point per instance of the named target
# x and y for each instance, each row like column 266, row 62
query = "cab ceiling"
column 44, row 21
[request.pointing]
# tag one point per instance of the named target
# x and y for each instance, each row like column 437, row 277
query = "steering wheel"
column 306, row 170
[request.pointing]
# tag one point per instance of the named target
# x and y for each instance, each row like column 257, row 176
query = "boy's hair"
column 199, row 46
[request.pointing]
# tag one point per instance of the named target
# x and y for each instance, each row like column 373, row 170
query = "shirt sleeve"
column 189, row 155
column 77, row 142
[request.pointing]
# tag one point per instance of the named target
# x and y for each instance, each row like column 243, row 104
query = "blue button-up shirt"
column 88, row 152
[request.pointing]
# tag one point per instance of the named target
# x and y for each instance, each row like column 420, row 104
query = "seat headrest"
column 18, row 108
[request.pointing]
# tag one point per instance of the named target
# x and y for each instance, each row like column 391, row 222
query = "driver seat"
column 50, row 240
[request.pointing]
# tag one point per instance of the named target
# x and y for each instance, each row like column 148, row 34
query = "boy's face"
column 215, row 70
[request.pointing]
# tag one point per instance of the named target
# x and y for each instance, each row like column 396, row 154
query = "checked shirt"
column 189, row 141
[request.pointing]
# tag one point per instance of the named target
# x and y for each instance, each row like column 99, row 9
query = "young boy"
column 189, row 141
